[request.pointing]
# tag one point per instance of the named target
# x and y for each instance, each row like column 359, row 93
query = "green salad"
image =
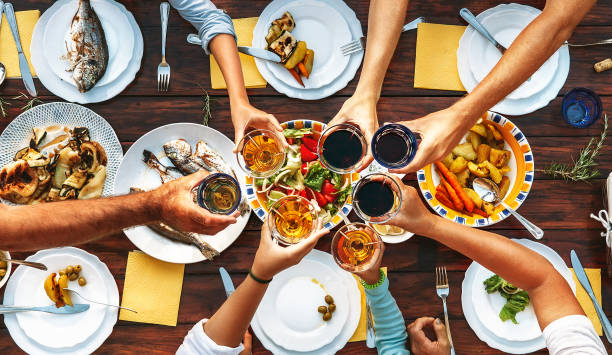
column 303, row 175
column 516, row 299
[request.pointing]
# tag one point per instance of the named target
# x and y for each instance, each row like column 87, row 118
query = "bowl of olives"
column 5, row 267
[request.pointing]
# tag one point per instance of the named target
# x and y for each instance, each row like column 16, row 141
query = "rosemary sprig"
column 3, row 102
column 583, row 168
column 207, row 106
column 29, row 101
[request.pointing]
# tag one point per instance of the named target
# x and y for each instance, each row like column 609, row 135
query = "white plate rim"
column 95, row 341
column 133, row 232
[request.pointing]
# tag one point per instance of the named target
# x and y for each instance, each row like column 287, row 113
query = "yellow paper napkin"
column 152, row 288
column 435, row 65
column 360, row 332
column 252, row 79
column 26, row 20
column 594, row 276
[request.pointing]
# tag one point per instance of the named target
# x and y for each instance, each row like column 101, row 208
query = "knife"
column 26, row 75
column 227, row 282
column 76, row 308
column 253, row 52
column 584, row 281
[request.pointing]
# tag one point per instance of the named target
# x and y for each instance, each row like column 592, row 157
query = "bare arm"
column 551, row 295
column 385, row 21
column 441, row 131
column 63, row 223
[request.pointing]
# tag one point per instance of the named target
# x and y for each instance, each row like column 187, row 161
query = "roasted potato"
column 494, row 173
column 483, row 153
column 474, row 138
column 505, row 170
column 448, row 160
column 309, row 60
column 465, row 150
column 478, row 170
column 458, row 165
column 298, row 55
column 488, row 208
column 499, row 158
column 64, row 295
column 498, row 136
column 51, row 288
column 474, row 197
column 479, row 129
column 504, row 186
column 463, row 176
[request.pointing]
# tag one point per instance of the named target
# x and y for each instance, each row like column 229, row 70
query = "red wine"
column 375, row 198
column 391, row 147
column 342, row 149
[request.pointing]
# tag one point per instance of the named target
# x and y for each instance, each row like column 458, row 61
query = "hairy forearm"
column 534, row 45
column 223, row 47
column 385, row 21
column 56, row 224
column 227, row 326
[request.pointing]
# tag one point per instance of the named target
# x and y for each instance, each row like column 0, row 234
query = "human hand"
column 271, row 258
column 372, row 275
column 360, row 112
column 174, row 202
column 440, row 132
column 421, row 344
column 413, row 215
column 245, row 116
column 247, row 341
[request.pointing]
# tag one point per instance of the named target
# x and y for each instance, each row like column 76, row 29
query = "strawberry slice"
column 310, row 143
column 307, row 155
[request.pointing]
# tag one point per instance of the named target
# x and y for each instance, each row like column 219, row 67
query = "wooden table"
column 561, row 209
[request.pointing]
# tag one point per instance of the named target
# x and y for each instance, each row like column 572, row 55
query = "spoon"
column 23, row 262
column 489, row 192
column 104, row 304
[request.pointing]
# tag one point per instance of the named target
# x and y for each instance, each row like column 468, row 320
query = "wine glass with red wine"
column 377, row 198
column 394, row 146
column 342, row 148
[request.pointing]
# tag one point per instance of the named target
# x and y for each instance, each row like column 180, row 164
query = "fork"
column 163, row 69
column 442, row 289
column 357, row 45
column 370, row 331
column 104, row 304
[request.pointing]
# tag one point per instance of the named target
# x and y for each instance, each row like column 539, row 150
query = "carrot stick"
column 444, row 200
column 302, row 69
column 296, row 76
column 440, row 188
column 480, row 212
column 468, row 203
column 453, row 195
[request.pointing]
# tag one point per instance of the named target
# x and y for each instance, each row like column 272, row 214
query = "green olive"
column 82, row 281
column 329, row 299
column 327, row 316
column 69, row 269
column 72, row 277
column 77, row 269
column 322, row 309
column 2, row 264
column 332, row 307
column 2, row 272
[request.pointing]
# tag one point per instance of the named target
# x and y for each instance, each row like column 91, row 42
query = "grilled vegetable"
column 302, row 69
column 298, row 55
column 273, row 33
column 284, row 46
column 296, row 75
column 285, row 23
column 309, row 61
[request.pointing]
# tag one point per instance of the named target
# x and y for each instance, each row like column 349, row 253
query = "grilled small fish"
column 165, row 172
column 212, row 159
column 86, row 47
column 184, row 237
column 179, row 153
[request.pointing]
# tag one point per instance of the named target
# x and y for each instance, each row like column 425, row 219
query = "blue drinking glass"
column 402, row 136
column 581, row 107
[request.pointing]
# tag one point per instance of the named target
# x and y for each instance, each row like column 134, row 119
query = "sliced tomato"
column 330, row 198
column 328, row 188
column 304, row 168
column 290, row 141
column 307, row 155
column 321, row 200
column 310, row 143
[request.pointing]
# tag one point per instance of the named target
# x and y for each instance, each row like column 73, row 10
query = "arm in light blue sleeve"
column 206, row 18
column 389, row 323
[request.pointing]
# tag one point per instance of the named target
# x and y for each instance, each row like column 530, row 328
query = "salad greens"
column 296, row 133
column 516, row 299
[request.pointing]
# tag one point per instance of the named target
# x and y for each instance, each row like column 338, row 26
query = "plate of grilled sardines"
column 167, row 153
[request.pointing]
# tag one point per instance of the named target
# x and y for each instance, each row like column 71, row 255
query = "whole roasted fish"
column 86, row 47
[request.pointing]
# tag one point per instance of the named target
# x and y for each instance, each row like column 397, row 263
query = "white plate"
column 133, row 172
column 18, row 133
column 40, row 333
column 354, row 302
column 67, row 90
column 308, row 93
column 505, row 23
column 510, row 106
column 117, row 30
column 484, row 319
column 288, row 312
column 324, row 30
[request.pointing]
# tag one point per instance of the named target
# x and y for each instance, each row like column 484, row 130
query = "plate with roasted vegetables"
column 495, row 149
column 500, row 313
column 38, row 332
column 304, row 175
